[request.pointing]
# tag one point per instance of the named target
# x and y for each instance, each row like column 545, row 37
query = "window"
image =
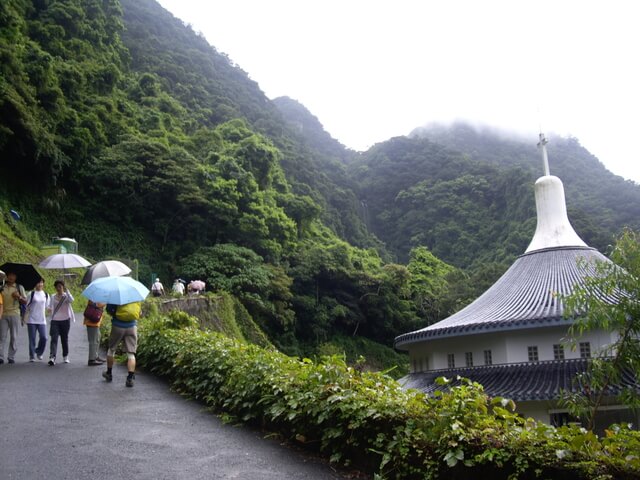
column 451, row 360
column 562, row 418
column 533, row 353
column 468, row 359
column 585, row 350
column 487, row 357
column 558, row 352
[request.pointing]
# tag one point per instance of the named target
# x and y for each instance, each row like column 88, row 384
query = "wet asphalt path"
column 66, row 422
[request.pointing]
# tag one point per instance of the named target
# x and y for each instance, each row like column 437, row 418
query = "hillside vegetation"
column 123, row 128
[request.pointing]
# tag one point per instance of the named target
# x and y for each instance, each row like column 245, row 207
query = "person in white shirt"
column 178, row 287
column 38, row 302
column 157, row 289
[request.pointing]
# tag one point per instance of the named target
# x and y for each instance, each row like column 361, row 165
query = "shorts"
column 128, row 335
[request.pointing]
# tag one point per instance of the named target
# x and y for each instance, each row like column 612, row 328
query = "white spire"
column 542, row 144
column 553, row 228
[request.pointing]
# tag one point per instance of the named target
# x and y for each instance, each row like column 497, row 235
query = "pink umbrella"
column 197, row 285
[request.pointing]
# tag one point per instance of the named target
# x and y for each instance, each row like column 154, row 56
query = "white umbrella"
column 63, row 261
column 106, row 268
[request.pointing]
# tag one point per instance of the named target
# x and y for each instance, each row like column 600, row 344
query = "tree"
column 429, row 283
column 263, row 289
column 589, row 306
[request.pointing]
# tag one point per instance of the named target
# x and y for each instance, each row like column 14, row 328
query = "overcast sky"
column 370, row 70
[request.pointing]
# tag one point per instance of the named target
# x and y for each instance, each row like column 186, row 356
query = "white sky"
column 373, row 69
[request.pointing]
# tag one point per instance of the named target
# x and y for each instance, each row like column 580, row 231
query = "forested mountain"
column 592, row 191
column 122, row 128
column 467, row 194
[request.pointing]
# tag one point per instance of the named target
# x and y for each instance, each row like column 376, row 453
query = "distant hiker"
column 124, row 328
column 178, row 287
column 13, row 296
column 60, row 321
column 35, row 317
column 93, row 315
column 157, row 289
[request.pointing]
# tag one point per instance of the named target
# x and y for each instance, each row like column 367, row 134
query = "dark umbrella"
column 26, row 274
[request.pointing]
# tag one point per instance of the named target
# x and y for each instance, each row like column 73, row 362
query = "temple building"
column 513, row 338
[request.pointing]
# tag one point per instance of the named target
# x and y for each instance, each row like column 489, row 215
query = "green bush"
column 366, row 419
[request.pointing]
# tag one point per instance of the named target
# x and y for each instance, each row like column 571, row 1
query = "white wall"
column 435, row 352
column 506, row 347
column 544, row 338
column 537, row 410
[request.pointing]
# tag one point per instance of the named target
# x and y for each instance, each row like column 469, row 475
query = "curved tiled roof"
column 526, row 296
column 521, row 381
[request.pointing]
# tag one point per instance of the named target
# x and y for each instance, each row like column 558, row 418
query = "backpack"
column 129, row 312
column 93, row 313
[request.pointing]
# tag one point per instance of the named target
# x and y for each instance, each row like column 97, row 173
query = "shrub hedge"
column 365, row 419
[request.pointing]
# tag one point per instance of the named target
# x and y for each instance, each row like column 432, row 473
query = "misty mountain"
column 467, row 193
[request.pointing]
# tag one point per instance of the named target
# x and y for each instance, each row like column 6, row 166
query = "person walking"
column 13, row 296
column 124, row 328
column 178, row 287
column 35, row 315
column 93, row 315
column 157, row 289
column 60, row 321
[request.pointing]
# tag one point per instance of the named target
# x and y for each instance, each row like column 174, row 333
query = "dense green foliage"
column 366, row 419
column 126, row 130
column 467, row 195
column 123, row 128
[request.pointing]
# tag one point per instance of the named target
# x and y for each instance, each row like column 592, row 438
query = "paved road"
column 66, row 422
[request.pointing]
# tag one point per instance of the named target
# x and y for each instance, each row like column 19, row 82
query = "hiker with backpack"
column 124, row 321
column 62, row 313
column 92, row 320
column 35, row 317
column 13, row 295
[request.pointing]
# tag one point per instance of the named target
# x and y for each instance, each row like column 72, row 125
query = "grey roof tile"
column 521, row 381
column 527, row 295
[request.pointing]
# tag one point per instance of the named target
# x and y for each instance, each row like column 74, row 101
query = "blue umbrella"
column 116, row 290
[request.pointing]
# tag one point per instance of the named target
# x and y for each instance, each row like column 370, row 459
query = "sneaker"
column 39, row 357
column 100, row 360
column 31, row 359
column 107, row 376
column 11, row 360
column 130, row 379
column 92, row 363
column 66, row 360
column 52, row 361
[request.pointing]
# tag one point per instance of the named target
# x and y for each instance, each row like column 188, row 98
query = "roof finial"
column 545, row 159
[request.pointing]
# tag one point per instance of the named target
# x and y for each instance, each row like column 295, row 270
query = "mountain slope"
column 468, row 195
column 212, row 90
